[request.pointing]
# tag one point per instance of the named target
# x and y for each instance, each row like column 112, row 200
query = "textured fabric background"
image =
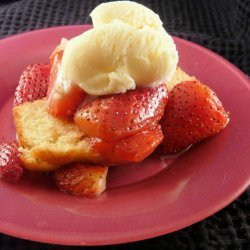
column 220, row 25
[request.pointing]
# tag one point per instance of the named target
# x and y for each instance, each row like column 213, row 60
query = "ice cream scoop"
column 127, row 49
column 132, row 13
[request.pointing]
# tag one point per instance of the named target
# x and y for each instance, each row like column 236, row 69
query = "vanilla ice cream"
column 128, row 12
column 127, row 47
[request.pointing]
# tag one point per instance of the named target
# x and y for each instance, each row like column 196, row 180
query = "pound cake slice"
column 178, row 77
column 47, row 143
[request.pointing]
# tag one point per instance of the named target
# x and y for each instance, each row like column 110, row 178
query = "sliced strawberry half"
column 193, row 113
column 33, row 84
column 133, row 148
column 115, row 117
column 10, row 164
column 63, row 97
column 81, row 179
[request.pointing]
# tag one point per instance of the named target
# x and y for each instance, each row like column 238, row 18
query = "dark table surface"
column 222, row 26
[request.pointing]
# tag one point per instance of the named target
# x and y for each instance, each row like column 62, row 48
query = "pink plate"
column 146, row 200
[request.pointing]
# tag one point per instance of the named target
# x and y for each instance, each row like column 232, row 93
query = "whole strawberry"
column 33, row 84
column 192, row 114
column 10, row 164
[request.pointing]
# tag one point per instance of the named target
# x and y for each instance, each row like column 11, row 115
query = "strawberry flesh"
column 33, row 84
column 10, row 164
column 193, row 113
column 81, row 179
column 133, row 148
column 63, row 97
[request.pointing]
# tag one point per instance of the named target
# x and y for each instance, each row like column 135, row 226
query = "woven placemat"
column 220, row 25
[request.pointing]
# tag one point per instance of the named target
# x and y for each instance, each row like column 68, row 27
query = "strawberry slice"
column 10, row 164
column 63, row 97
column 193, row 113
column 81, row 180
column 133, row 148
column 58, row 50
column 33, row 84
column 115, row 117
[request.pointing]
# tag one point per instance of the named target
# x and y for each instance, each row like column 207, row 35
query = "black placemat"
column 220, row 25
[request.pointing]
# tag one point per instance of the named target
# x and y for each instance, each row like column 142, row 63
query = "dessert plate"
column 155, row 197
